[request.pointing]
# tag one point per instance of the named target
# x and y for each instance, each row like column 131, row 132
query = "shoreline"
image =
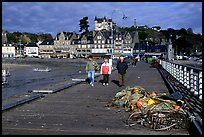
column 11, row 65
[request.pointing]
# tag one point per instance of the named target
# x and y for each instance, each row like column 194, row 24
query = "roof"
column 89, row 40
column 32, row 45
column 99, row 20
column 47, row 42
column 67, row 35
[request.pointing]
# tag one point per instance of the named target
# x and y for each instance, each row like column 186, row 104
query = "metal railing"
column 188, row 76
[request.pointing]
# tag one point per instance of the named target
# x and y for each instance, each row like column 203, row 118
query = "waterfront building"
column 8, row 51
column 83, row 45
column 46, row 48
column 128, row 43
column 118, row 48
column 102, row 43
column 62, row 44
column 31, row 50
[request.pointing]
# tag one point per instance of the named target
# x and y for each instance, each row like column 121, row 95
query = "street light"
column 20, row 46
column 112, row 42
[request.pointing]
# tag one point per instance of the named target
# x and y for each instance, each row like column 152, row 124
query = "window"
column 103, row 41
column 99, row 41
column 98, row 37
column 83, row 46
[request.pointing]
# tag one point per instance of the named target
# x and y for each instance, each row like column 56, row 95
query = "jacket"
column 122, row 67
column 105, row 68
column 91, row 65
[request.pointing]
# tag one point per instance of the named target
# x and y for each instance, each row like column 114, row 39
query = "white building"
column 31, row 50
column 8, row 51
column 102, row 24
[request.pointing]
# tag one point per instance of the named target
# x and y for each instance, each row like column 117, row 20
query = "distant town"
column 108, row 39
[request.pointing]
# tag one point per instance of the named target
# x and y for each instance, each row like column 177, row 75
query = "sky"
column 54, row 17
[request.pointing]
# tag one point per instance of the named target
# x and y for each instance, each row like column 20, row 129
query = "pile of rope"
column 153, row 110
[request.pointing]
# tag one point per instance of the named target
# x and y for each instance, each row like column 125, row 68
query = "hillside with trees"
column 24, row 38
column 184, row 41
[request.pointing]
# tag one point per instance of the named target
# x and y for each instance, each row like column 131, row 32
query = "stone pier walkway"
column 80, row 110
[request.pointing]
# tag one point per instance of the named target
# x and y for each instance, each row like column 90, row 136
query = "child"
column 105, row 71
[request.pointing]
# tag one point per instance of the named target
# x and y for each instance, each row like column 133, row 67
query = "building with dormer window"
column 62, row 44
column 83, row 45
column 103, row 24
column 46, row 48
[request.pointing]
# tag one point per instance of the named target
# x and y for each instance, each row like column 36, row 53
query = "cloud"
column 64, row 16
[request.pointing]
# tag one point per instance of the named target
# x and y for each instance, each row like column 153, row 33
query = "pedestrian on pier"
column 91, row 67
column 134, row 61
column 121, row 66
column 105, row 71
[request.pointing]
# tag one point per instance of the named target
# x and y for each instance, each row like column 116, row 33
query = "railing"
column 188, row 76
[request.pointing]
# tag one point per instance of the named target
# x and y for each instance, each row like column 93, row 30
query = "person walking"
column 135, row 62
column 121, row 67
column 91, row 67
column 105, row 71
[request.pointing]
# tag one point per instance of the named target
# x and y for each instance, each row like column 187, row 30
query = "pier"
column 81, row 109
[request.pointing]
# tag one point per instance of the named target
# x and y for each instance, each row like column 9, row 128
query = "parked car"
column 200, row 60
column 193, row 58
column 179, row 57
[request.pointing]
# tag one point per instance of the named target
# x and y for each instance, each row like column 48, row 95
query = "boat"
column 42, row 70
column 4, row 81
column 5, row 73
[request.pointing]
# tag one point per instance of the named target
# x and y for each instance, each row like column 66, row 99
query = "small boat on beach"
column 42, row 70
column 4, row 81
column 5, row 73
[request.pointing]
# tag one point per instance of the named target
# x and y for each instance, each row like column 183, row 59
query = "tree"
column 42, row 37
column 25, row 39
column 182, row 31
column 84, row 25
column 14, row 37
column 189, row 31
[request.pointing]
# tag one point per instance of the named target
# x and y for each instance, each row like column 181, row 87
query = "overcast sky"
column 54, row 17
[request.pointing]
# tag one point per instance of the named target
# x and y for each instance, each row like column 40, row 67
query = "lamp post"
column 20, row 46
column 111, row 25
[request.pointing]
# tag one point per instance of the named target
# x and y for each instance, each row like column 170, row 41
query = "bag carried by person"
column 96, row 66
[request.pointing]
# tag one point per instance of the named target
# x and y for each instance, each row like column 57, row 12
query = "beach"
column 23, row 79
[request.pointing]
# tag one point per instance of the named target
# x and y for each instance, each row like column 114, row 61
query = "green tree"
column 14, row 37
column 189, row 31
column 182, row 31
column 25, row 39
column 84, row 25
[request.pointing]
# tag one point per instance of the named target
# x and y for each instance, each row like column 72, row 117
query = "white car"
column 200, row 60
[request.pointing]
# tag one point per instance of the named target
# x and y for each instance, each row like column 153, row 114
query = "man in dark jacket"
column 121, row 67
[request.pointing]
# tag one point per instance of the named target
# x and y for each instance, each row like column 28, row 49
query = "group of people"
column 105, row 69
